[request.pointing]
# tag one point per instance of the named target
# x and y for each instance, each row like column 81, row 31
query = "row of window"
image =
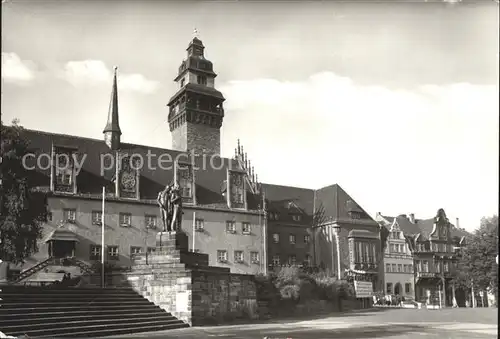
column 231, row 226
column 238, row 257
column 399, row 268
column 113, row 252
column 434, row 247
column 292, row 260
column 275, row 216
column 391, row 291
column 395, row 235
column 200, row 80
column 397, row 248
column 365, row 252
column 291, row 238
column 440, row 266
column 125, row 219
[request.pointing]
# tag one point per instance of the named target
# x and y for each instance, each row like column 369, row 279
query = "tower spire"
column 112, row 131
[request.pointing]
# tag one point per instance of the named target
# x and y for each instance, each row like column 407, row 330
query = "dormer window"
column 183, row 82
column 185, row 179
column 355, row 214
column 63, row 179
column 273, row 216
column 128, row 177
column 237, row 190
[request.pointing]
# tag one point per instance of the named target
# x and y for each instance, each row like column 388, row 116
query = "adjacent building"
column 434, row 245
column 398, row 260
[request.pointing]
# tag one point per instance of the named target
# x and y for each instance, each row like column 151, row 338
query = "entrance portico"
column 62, row 244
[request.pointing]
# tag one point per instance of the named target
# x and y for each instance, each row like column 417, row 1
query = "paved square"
column 387, row 323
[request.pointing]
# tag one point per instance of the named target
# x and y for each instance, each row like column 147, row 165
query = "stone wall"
column 220, row 297
column 181, row 283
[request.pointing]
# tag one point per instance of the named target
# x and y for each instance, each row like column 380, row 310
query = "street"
column 386, row 323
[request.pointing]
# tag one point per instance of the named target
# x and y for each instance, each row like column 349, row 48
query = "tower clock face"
column 128, row 180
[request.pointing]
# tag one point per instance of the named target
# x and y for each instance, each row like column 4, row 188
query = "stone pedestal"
column 182, row 283
column 178, row 240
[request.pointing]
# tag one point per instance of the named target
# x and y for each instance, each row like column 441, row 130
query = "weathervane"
column 195, row 33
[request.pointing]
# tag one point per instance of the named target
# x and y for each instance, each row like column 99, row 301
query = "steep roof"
column 333, row 201
column 209, row 179
column 113, row 124
column 422, row 226
column 339, row 205
column 277, row 196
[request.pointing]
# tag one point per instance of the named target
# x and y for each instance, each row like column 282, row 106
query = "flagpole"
column 194, row 230
column 264, row 231
column 102, row 234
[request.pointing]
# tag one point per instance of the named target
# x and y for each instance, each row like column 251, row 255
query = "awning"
column 62, row 235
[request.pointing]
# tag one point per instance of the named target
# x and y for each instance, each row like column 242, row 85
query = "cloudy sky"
column 396, row 101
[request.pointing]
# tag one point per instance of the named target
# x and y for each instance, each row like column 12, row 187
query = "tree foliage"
column 477, row 265
column 21, row 210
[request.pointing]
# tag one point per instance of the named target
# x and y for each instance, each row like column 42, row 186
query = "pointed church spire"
column 112, row 131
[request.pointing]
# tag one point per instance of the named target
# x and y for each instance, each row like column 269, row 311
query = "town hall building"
column 240, row 223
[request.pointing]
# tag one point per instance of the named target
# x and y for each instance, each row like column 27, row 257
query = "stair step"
column 94, row 330
column 55, row 311
column 89, row 308
column 66, row 304
column 76, row 300
column 58, row 290
column 65, row 295
column 94, row 313
column 57, row 323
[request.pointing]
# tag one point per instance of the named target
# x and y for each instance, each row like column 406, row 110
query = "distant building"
column 324, row 228
column 434, row 244
column 398, row 260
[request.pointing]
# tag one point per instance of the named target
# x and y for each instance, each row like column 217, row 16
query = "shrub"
column 290, row 292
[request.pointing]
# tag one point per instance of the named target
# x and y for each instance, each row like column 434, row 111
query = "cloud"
column 395, row 150
column 90, row 72
column 16, row 70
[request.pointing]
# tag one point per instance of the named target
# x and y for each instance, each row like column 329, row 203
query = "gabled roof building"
column 434, row 244
column 241, row 223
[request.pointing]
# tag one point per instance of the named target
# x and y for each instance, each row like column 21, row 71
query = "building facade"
column 399, row 278
column 346, row 240
column 227, row 213
column 221, row 211
column 434, row 244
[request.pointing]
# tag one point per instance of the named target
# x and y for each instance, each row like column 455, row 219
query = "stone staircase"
column 79, row 312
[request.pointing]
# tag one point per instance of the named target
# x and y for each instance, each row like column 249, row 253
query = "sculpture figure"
column 165, row 210
column 176, row 208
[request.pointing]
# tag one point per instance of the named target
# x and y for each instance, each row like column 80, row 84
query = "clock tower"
column 196, row 111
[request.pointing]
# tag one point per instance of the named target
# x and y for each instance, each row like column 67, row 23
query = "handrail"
column 87, row 269
column 32, row 270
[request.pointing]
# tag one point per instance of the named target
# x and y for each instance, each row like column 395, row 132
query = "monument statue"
column 165, row 210
column 176, row 208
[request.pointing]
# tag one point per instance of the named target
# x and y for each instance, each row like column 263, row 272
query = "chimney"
column 457, row 225
column 411, row 217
